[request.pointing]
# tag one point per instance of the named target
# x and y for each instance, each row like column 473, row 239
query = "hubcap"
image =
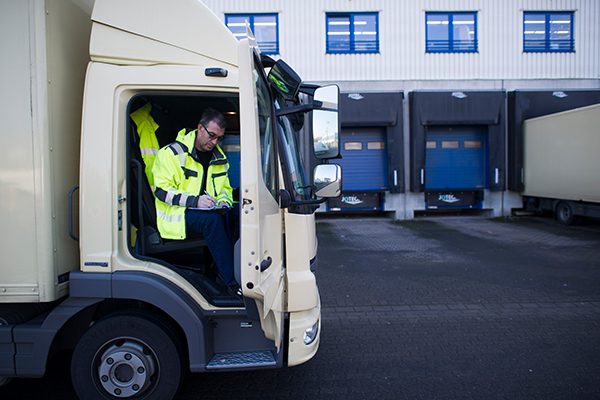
column 126, row 367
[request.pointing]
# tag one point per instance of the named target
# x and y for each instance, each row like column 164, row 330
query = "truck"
column 84, row 268
column 560, row 165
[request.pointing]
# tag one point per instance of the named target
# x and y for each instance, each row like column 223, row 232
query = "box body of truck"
column 560, row 168
column 86, row 267
column 45, row 53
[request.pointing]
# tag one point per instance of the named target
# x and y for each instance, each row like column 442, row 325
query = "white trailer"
column 561, row 167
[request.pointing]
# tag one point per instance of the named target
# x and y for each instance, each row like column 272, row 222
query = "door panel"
column 261, row 230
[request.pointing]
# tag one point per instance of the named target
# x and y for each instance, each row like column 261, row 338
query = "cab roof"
column 149, row 32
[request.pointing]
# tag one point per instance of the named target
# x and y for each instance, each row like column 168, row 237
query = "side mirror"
column 326, row 122
column 327, row 180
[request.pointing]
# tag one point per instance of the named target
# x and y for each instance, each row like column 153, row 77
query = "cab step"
column 243, row 359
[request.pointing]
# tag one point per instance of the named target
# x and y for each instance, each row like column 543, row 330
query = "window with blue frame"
column 454, row 32
column 264, row 27
column 547, row 32
column 352, row 33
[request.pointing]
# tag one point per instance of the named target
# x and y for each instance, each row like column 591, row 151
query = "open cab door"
column 261, row 253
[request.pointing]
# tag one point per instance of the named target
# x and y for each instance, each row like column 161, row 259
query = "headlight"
column 311, row 333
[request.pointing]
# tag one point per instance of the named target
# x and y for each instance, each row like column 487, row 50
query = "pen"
column 206, row 193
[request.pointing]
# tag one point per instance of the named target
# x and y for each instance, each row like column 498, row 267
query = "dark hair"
column 212, row 115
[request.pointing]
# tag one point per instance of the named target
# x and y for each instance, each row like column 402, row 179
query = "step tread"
column 242, row 359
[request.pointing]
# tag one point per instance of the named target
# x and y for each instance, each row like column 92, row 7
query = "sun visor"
column 148, row 32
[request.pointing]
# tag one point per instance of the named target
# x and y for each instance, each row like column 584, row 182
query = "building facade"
column 434, row 92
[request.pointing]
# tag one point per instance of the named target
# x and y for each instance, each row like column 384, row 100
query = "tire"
column 564, row 214
column 4, row 380
column 131, row 355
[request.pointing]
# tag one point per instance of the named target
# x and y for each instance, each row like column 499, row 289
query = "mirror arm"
column 267, row 61
column 299, row 109
column 308, row 88
column 308, row 202
column 285, row 200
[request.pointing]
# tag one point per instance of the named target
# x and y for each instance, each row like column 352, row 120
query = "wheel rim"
column 126, row 367
column 565, row 212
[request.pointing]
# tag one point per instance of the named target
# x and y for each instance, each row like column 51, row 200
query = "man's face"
column 208, row 136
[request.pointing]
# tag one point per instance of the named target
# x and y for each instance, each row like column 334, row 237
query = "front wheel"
column 134, row 355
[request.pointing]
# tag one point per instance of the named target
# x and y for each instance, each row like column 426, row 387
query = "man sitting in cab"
column 192, row 188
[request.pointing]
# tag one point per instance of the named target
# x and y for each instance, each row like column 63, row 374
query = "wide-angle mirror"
column 327, row 180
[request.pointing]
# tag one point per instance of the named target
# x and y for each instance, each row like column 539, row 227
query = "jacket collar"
column 188, row 139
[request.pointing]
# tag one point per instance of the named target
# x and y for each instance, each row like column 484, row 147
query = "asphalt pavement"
column 433, row 308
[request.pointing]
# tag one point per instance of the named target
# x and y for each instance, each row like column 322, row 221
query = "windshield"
column 292, row 157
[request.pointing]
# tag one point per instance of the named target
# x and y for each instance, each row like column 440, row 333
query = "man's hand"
column 206, row 201
column 222, row 204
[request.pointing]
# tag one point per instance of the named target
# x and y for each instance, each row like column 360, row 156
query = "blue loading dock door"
column 455, row 161
column 364, row 160
column 364, row 165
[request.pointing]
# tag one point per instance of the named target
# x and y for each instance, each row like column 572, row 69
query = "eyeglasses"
column 213, row 136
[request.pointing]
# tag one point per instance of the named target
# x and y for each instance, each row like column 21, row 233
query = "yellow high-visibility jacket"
column 146, row 129
column 178, row 181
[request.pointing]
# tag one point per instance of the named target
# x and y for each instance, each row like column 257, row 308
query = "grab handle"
column 71, row 213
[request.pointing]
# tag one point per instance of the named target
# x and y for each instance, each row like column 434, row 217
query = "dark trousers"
column 211, row 225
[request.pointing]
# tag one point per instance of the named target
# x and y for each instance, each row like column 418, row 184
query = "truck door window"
column 293, row 161
column 267, row 147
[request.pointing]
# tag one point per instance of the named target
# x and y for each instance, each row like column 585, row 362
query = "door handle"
column 265, row 264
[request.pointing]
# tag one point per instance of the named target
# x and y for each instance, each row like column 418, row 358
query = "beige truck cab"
column 139, row 309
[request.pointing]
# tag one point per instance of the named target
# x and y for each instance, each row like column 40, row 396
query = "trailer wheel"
column 133, row 355
column 564, row 214
column 4, row 380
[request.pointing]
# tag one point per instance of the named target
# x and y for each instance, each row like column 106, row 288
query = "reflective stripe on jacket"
column 178, row 181
column 146, row 129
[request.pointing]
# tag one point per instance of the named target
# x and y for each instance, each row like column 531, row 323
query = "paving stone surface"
column 437, row 308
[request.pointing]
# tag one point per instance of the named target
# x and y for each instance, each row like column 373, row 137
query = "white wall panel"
column 402, row 54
